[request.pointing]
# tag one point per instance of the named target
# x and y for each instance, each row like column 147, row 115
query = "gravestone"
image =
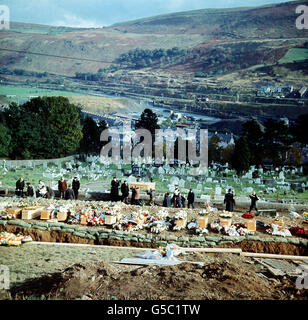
column 187, row 184
column 181, row 183
column 218, row 191
column 174, row 181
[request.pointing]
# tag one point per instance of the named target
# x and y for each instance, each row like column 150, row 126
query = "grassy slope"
column 183, row 29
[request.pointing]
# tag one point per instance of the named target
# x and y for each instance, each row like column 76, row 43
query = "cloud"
column 71, row 20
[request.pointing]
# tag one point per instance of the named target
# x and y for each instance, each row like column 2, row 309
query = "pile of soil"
column 227, row 277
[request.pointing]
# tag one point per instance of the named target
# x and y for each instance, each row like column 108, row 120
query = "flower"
column 248, row 215
column 181, row 214
column 225, row 215
column 203, row 212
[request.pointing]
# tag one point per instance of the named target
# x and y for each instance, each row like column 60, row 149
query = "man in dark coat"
column 191, row 199
column 30, row 190
column 114, row 193
column 229, row 201
column 76, row 187
column 20, row 185
column 69, row 193
column 167, row 200
column 125, row 192
column 253, row 205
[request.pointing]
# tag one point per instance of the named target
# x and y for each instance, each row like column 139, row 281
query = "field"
column 91, row 103
column 294, row 55
column 103, row 179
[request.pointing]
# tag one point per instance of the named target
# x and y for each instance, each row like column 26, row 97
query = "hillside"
column 262, row 34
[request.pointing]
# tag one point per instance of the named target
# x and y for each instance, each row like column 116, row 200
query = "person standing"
column 151, row 194
column 76, row 187
column 253, row 204
column 20, row 185
column 69, row 193
column 30, row 190
column 191, row 199
column 114, row 193
column 167, row 200
column 178, row 201
column 62, row 187
column 41, row 189
column 229, row 201
column 125, row 192
column 135, row 196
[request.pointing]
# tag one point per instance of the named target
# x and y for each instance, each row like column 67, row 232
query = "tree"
column 213, row 149
column 227, row 154
column 241, row 156
column 251, row 130
column 90, row 142
column 276, row 141
column 5, row 141
column 300, row 129
column 43, row 127
column 148, row 120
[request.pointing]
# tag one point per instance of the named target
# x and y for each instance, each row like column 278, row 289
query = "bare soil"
column 223, row 277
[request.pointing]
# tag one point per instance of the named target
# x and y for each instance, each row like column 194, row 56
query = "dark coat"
column 167, row 202
column 191, row 197
column 76, row 184
column 229, row 201
column 115, row 188
column 20, row 185
column 30, row 191
column 69, row 194
column 124, row 190
column 254, row 200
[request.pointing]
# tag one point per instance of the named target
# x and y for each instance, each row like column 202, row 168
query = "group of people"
column 70, row 192
column 66, row 191
column 135, row 198
column 178, row 200
column 230, row 202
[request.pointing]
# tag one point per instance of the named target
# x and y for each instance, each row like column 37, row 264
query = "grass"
column 34, row 175
column 294, row 55
column 95, row 104
column 18, row 93
column 35, row 260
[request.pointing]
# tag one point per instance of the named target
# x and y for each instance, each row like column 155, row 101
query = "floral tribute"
column 299, row 232
column 248, row 215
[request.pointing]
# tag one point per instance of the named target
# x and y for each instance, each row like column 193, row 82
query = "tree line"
column 274, row 143
column 47, row 127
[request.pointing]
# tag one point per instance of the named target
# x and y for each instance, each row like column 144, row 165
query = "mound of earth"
column 226, row 277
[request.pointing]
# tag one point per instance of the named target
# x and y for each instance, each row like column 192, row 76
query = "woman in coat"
column 229, row 201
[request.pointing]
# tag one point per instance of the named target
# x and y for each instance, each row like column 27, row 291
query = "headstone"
column 174, row 181
column 161, row 170
column 218, row 191
column 181, row 183
column 209, row 180
column 187, row 184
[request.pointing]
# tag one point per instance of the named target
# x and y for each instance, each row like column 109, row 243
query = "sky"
column 99, row 13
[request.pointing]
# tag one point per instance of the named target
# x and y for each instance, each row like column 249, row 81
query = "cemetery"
column 154, row 236
column 280, row 185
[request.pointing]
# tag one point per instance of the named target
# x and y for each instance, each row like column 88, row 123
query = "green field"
column 18, row 94
column 295, row 54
